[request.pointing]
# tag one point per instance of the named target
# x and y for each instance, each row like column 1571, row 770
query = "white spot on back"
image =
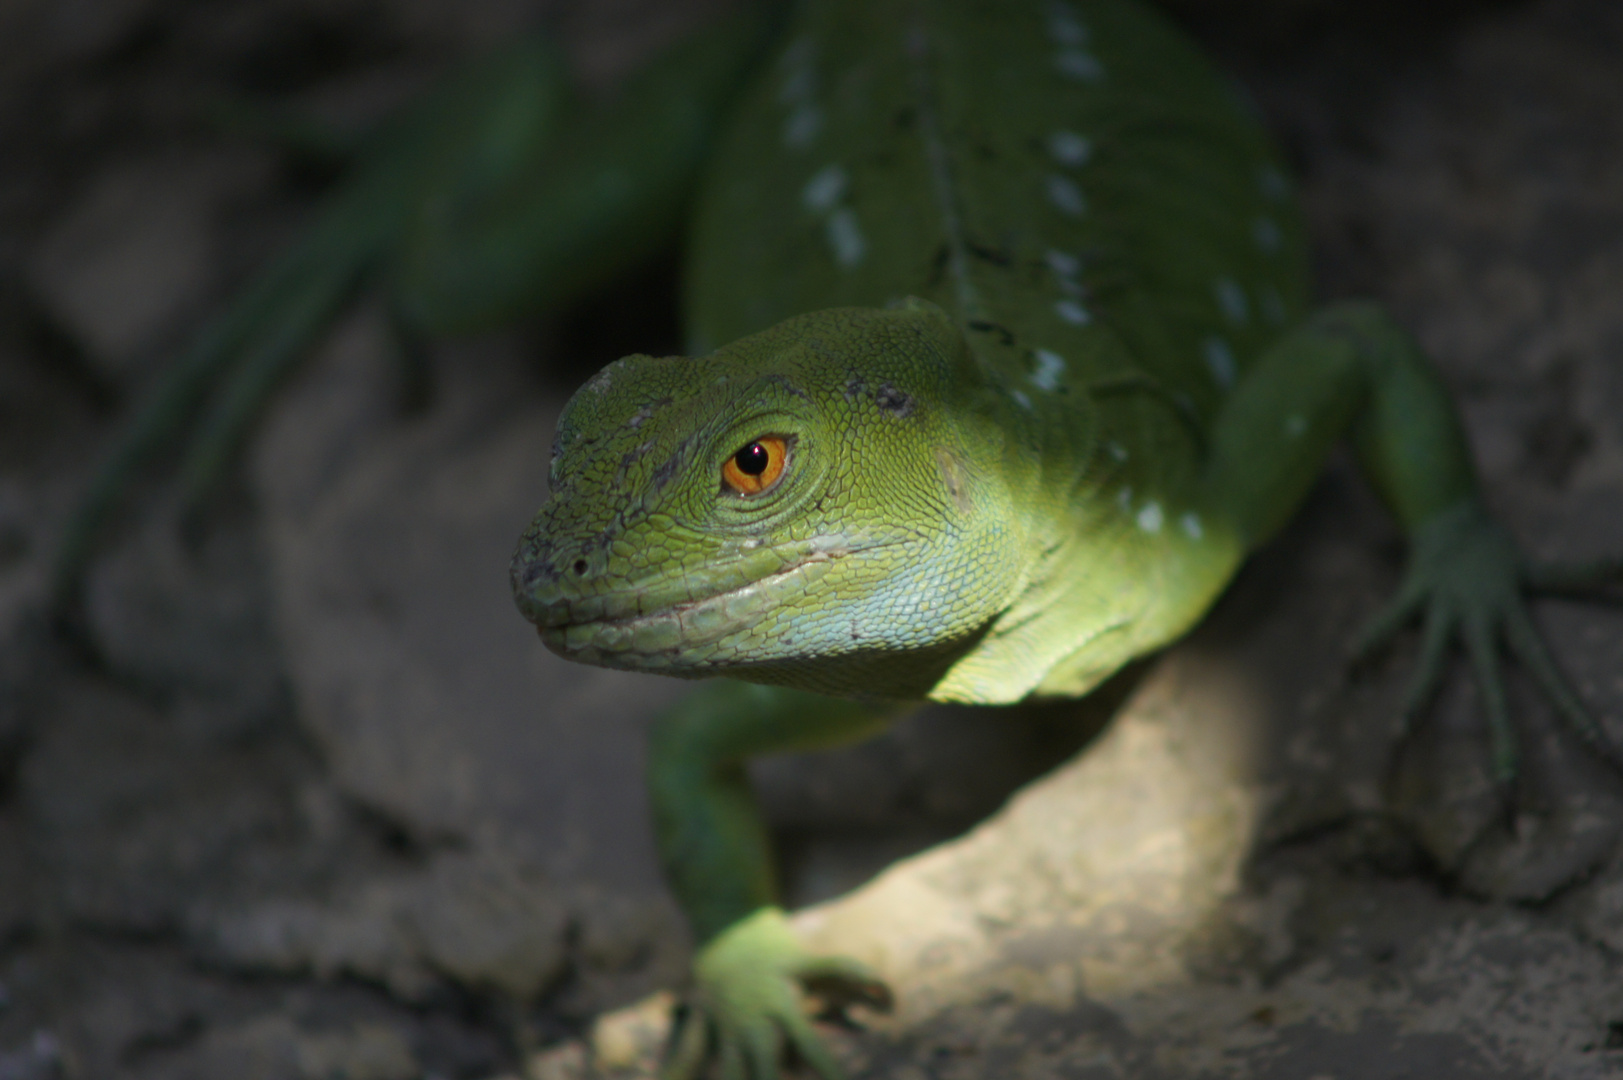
column 802, row 127
column 1192, row 526
column 1265, row 232
column 824, row 189
column 1021, row 399
column 845, row 237
column 1231, row 298
column 1069, row 148
column 1065, row 196
column 1066, row 266
column 1295, row 425
column 1050, row 365
column 1117, row 451
column 1072, row 312
column 1150, row 518
column 1220, row 361
column 798, row 93
column 1079, row 65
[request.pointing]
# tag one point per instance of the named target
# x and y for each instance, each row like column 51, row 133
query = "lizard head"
column 818, row 505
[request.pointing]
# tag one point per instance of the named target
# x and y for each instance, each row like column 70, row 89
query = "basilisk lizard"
column 1002, row 361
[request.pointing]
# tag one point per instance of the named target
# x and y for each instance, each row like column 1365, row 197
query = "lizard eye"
column 757, row 466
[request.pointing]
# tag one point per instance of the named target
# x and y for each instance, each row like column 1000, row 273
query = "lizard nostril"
column 580, row 567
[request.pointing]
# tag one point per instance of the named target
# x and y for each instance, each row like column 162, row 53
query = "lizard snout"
column 542, row 575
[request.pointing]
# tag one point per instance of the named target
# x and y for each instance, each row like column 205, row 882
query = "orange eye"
column 757, row 466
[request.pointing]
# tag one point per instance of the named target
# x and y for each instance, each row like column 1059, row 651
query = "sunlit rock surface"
column 1109, row 923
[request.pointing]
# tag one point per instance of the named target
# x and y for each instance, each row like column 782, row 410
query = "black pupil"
column 752, row 460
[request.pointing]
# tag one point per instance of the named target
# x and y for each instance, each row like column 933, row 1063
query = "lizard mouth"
column 681, row 625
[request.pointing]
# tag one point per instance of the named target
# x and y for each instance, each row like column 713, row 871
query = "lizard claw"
column 1394, row 615
column 838, row 982
column 1584, row 581
column 745, row 1011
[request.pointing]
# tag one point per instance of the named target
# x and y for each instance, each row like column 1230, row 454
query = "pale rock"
column 1106, row 923
column 188, row 618
column 430, row 698
column 481, row 922
column 134, row 255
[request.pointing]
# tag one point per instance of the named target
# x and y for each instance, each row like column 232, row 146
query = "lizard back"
column 1106, row 221
column 1072, row 180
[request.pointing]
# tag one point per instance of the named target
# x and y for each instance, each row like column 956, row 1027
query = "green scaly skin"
column 1022, row 289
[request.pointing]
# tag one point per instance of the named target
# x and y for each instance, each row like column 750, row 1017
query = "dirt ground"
column 301, row 798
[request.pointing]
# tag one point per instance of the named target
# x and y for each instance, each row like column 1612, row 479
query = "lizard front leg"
column 750, row 971
column 1352, row 369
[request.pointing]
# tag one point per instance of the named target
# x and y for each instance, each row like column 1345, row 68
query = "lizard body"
column 1103, row 295
column 1002, row 363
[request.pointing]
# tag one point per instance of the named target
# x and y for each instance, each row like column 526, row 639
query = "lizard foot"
column 1467, row 579
column 745, row 1011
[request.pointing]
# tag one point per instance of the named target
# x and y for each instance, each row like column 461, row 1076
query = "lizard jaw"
column 670, row 630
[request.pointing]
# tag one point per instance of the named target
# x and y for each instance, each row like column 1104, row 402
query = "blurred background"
column 301, row 796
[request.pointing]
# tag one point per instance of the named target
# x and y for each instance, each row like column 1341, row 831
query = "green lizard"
column 1003, row 362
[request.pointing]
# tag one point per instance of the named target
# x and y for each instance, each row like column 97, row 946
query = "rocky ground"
column 304, row 799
